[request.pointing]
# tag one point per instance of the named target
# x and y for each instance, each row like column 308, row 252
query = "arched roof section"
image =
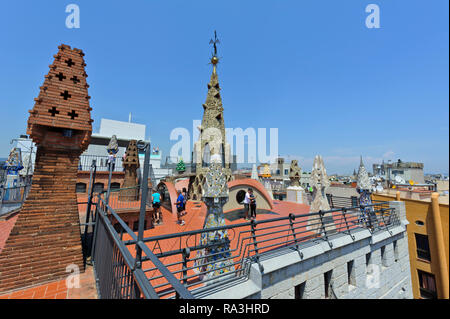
column 184, row 183
column 248, row 182
column 173, row 195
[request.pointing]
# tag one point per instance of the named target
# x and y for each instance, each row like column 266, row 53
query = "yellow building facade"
column 428, row 238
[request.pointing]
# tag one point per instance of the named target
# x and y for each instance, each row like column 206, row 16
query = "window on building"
column 115, row 185
column 299, row 290
column 98, row 187
column 286, row 172
column 423, row 247
column 327, row 281
column 351, row 276
column 278, row 172
column 136, row 225
column 427, row 285
column 80, row 188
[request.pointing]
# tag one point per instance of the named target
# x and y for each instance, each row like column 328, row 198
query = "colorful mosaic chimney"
column 130, row 164
column 46, row 236
column 215, row 259
column 364, row 188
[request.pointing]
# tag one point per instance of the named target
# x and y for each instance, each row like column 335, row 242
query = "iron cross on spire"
column 216, row 41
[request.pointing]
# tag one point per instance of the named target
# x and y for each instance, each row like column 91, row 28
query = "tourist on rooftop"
column 247, row 203
column 180, row 207
column 111, row 160
column 252, row 198
column 156, row 201
column 184, row 193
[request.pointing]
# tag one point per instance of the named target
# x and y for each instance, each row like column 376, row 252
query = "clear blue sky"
column 310, row 68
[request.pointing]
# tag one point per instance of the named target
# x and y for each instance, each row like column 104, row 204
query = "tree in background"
column 181, row 167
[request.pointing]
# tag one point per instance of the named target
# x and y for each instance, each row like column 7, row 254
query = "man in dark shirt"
column 180, row 208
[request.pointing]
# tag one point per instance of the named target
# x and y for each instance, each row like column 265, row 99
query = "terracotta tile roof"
column 58, row 289
column 194, row 219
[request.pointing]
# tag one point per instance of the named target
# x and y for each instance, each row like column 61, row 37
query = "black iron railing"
column 249, row 243
column 341, row 202
column 118, row 271
column 181, row 265
column 85, row 163
column 12, row 198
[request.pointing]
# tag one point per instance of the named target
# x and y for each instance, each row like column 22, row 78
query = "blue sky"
column 310, row 68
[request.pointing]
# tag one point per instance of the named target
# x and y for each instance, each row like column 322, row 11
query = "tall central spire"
column 212, row 139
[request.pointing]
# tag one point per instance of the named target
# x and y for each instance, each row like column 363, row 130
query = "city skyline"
column 314, row 71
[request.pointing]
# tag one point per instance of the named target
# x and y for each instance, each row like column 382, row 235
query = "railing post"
column 97, row 220
column 91, row 192
column 186, row 253
column 382, row 210
column 321, row 213
column 291, row 223
column 109, row 183
column 344, row 211
column 144, row 187
column 253, row 227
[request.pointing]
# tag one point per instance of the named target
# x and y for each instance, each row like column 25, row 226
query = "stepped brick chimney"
column 46, row 236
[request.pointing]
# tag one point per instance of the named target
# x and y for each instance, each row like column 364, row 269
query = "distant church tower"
column 212, row 139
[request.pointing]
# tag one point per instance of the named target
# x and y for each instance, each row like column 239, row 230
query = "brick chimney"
column 46, row 236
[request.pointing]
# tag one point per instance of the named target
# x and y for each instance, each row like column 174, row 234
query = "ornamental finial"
column 214, row 58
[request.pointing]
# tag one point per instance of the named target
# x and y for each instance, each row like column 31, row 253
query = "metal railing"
column 16, row 194
column 85, row 163
column 12, row 198
column 341, row 202
column 248, row 243
column 182, row 265
column 117, row 268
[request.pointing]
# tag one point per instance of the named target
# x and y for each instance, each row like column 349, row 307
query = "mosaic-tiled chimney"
column 46, row 236
column 130, row 182
column 364, row 188
column 215, row 259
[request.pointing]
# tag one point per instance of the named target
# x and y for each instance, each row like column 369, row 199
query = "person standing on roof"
column 157, row 216
column 247, row 203
column 184, row 193
column 180, row 208
column 252, row 198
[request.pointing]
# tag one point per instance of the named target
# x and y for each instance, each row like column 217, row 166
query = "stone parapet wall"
column 370, row 266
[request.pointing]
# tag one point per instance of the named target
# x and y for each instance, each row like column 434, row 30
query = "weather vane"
column 215, row 42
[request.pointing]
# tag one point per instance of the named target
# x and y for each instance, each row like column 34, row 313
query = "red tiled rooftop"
column 58, row 289
column 194, row 219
